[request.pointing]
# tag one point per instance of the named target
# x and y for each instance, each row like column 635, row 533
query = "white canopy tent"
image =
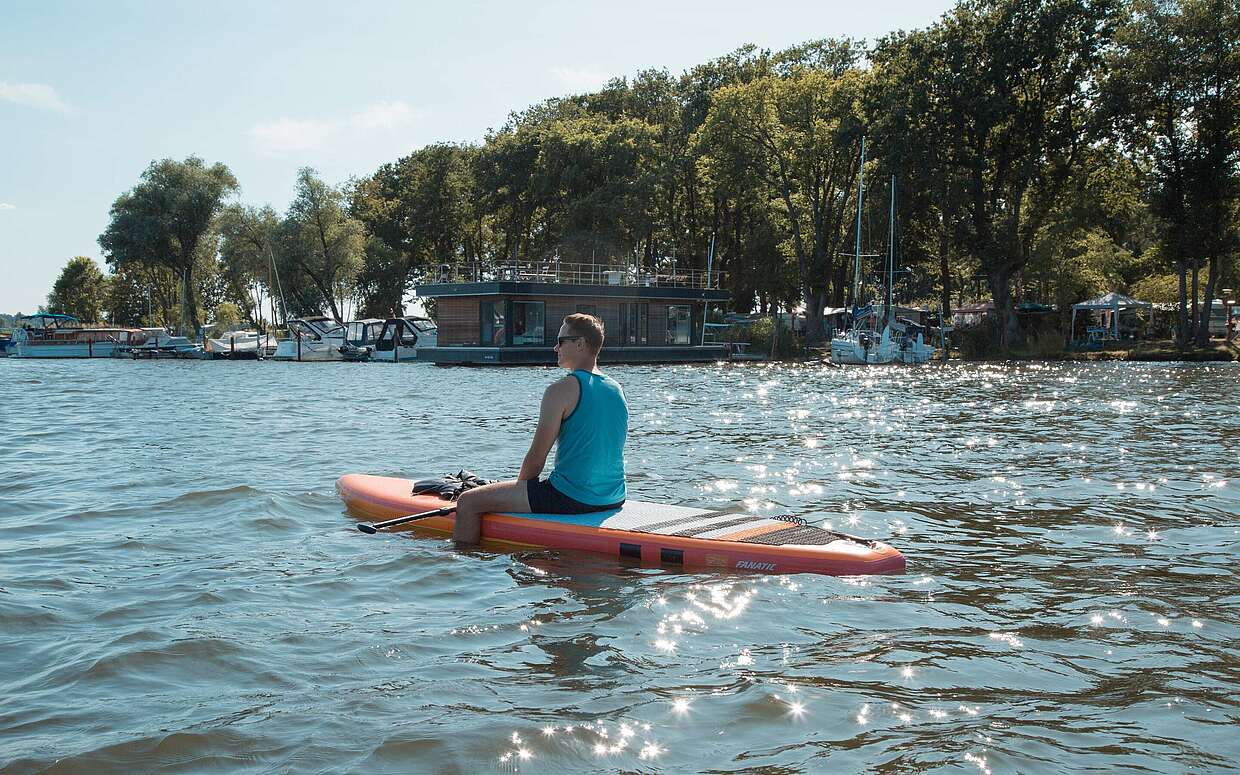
column 1110, row 305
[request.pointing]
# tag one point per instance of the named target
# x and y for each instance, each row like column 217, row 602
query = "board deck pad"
column 653, row 533
column 688, row 522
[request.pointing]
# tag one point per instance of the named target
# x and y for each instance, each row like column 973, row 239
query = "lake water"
column 181, row 590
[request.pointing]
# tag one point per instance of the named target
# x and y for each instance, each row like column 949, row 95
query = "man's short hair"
column 588, row 327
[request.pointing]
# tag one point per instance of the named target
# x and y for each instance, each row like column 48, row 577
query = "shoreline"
column 1150, row 352
column 1163, row 351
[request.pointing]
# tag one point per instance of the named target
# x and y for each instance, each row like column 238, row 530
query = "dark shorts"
column 545, row 499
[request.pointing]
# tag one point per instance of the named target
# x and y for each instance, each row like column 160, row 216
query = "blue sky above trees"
column 91, row 93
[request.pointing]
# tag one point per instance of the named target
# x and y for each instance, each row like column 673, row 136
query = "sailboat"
column 877, row 334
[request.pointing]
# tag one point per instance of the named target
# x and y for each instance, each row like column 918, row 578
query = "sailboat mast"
column 891, row 246
column 856, row 289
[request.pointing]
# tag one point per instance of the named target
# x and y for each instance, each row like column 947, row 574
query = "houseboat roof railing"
column 565, row 272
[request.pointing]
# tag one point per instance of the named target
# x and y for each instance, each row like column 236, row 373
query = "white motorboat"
column 51, row 335
column 395, row 340
column 241, row 344
column 312, row 339
column 360, row 337
column 156, row 342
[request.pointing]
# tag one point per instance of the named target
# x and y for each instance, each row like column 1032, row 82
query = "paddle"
column 370, row 529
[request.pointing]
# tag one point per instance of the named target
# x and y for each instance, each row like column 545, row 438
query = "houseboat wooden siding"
column 458, row 323
column 635, row 319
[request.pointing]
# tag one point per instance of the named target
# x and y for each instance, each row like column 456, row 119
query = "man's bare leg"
column 511, row 495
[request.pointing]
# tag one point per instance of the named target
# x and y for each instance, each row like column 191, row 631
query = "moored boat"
column 395, row 340
column 869, row 341
column 54, row 335
column 240, row 345
column 156, row 342
column 877, row 335
column 312, row 339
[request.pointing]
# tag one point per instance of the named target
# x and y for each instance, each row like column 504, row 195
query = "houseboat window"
column 527, row 322
column 492, row 314
column 679, row 330
column 634, row 323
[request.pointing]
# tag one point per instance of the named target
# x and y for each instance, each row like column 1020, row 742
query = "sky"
column 92, row 92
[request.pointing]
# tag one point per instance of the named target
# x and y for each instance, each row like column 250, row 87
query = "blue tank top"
column 589, row 455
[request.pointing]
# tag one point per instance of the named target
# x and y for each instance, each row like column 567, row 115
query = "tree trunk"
column 1181, row 330
column 945, row 277
column 1203, row 330
column 253, row 309
column 813, row 319
column 999, row 280
column 1196, row 320
column 326, row 292
column 189, row 310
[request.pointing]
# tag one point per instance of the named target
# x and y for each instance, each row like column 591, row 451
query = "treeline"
column 1044, row 151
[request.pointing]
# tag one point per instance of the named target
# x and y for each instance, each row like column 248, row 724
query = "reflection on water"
column 179, row 587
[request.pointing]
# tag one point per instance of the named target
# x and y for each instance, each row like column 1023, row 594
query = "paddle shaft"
column 371, row 529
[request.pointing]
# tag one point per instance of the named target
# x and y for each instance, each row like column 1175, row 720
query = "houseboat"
column 509, row 314
column 52, row 335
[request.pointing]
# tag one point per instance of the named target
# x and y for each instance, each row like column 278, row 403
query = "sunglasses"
column 563, row 339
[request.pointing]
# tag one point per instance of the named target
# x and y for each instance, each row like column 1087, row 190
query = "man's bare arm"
column 558, row 400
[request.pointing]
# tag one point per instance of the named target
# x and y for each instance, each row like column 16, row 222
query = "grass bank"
column 1160, row 350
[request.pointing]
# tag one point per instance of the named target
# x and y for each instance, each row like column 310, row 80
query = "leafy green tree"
column 909, row 135
column 164, row 219
column 81, row 290
column 1173, row 83
column 129, row 301
column 382, row 281
column 229, row 316
column 598, row 178
column 1006, row 89
column 321, row 242
column 505, row 169
column 249, row 239
column 419, row 212
column 801, row 135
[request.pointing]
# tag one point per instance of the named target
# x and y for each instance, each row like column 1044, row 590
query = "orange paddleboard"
column 652, row 533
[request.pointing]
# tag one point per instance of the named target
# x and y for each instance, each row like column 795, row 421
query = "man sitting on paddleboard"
column 587, row 415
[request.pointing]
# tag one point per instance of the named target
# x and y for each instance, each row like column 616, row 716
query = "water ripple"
column 180, row 589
